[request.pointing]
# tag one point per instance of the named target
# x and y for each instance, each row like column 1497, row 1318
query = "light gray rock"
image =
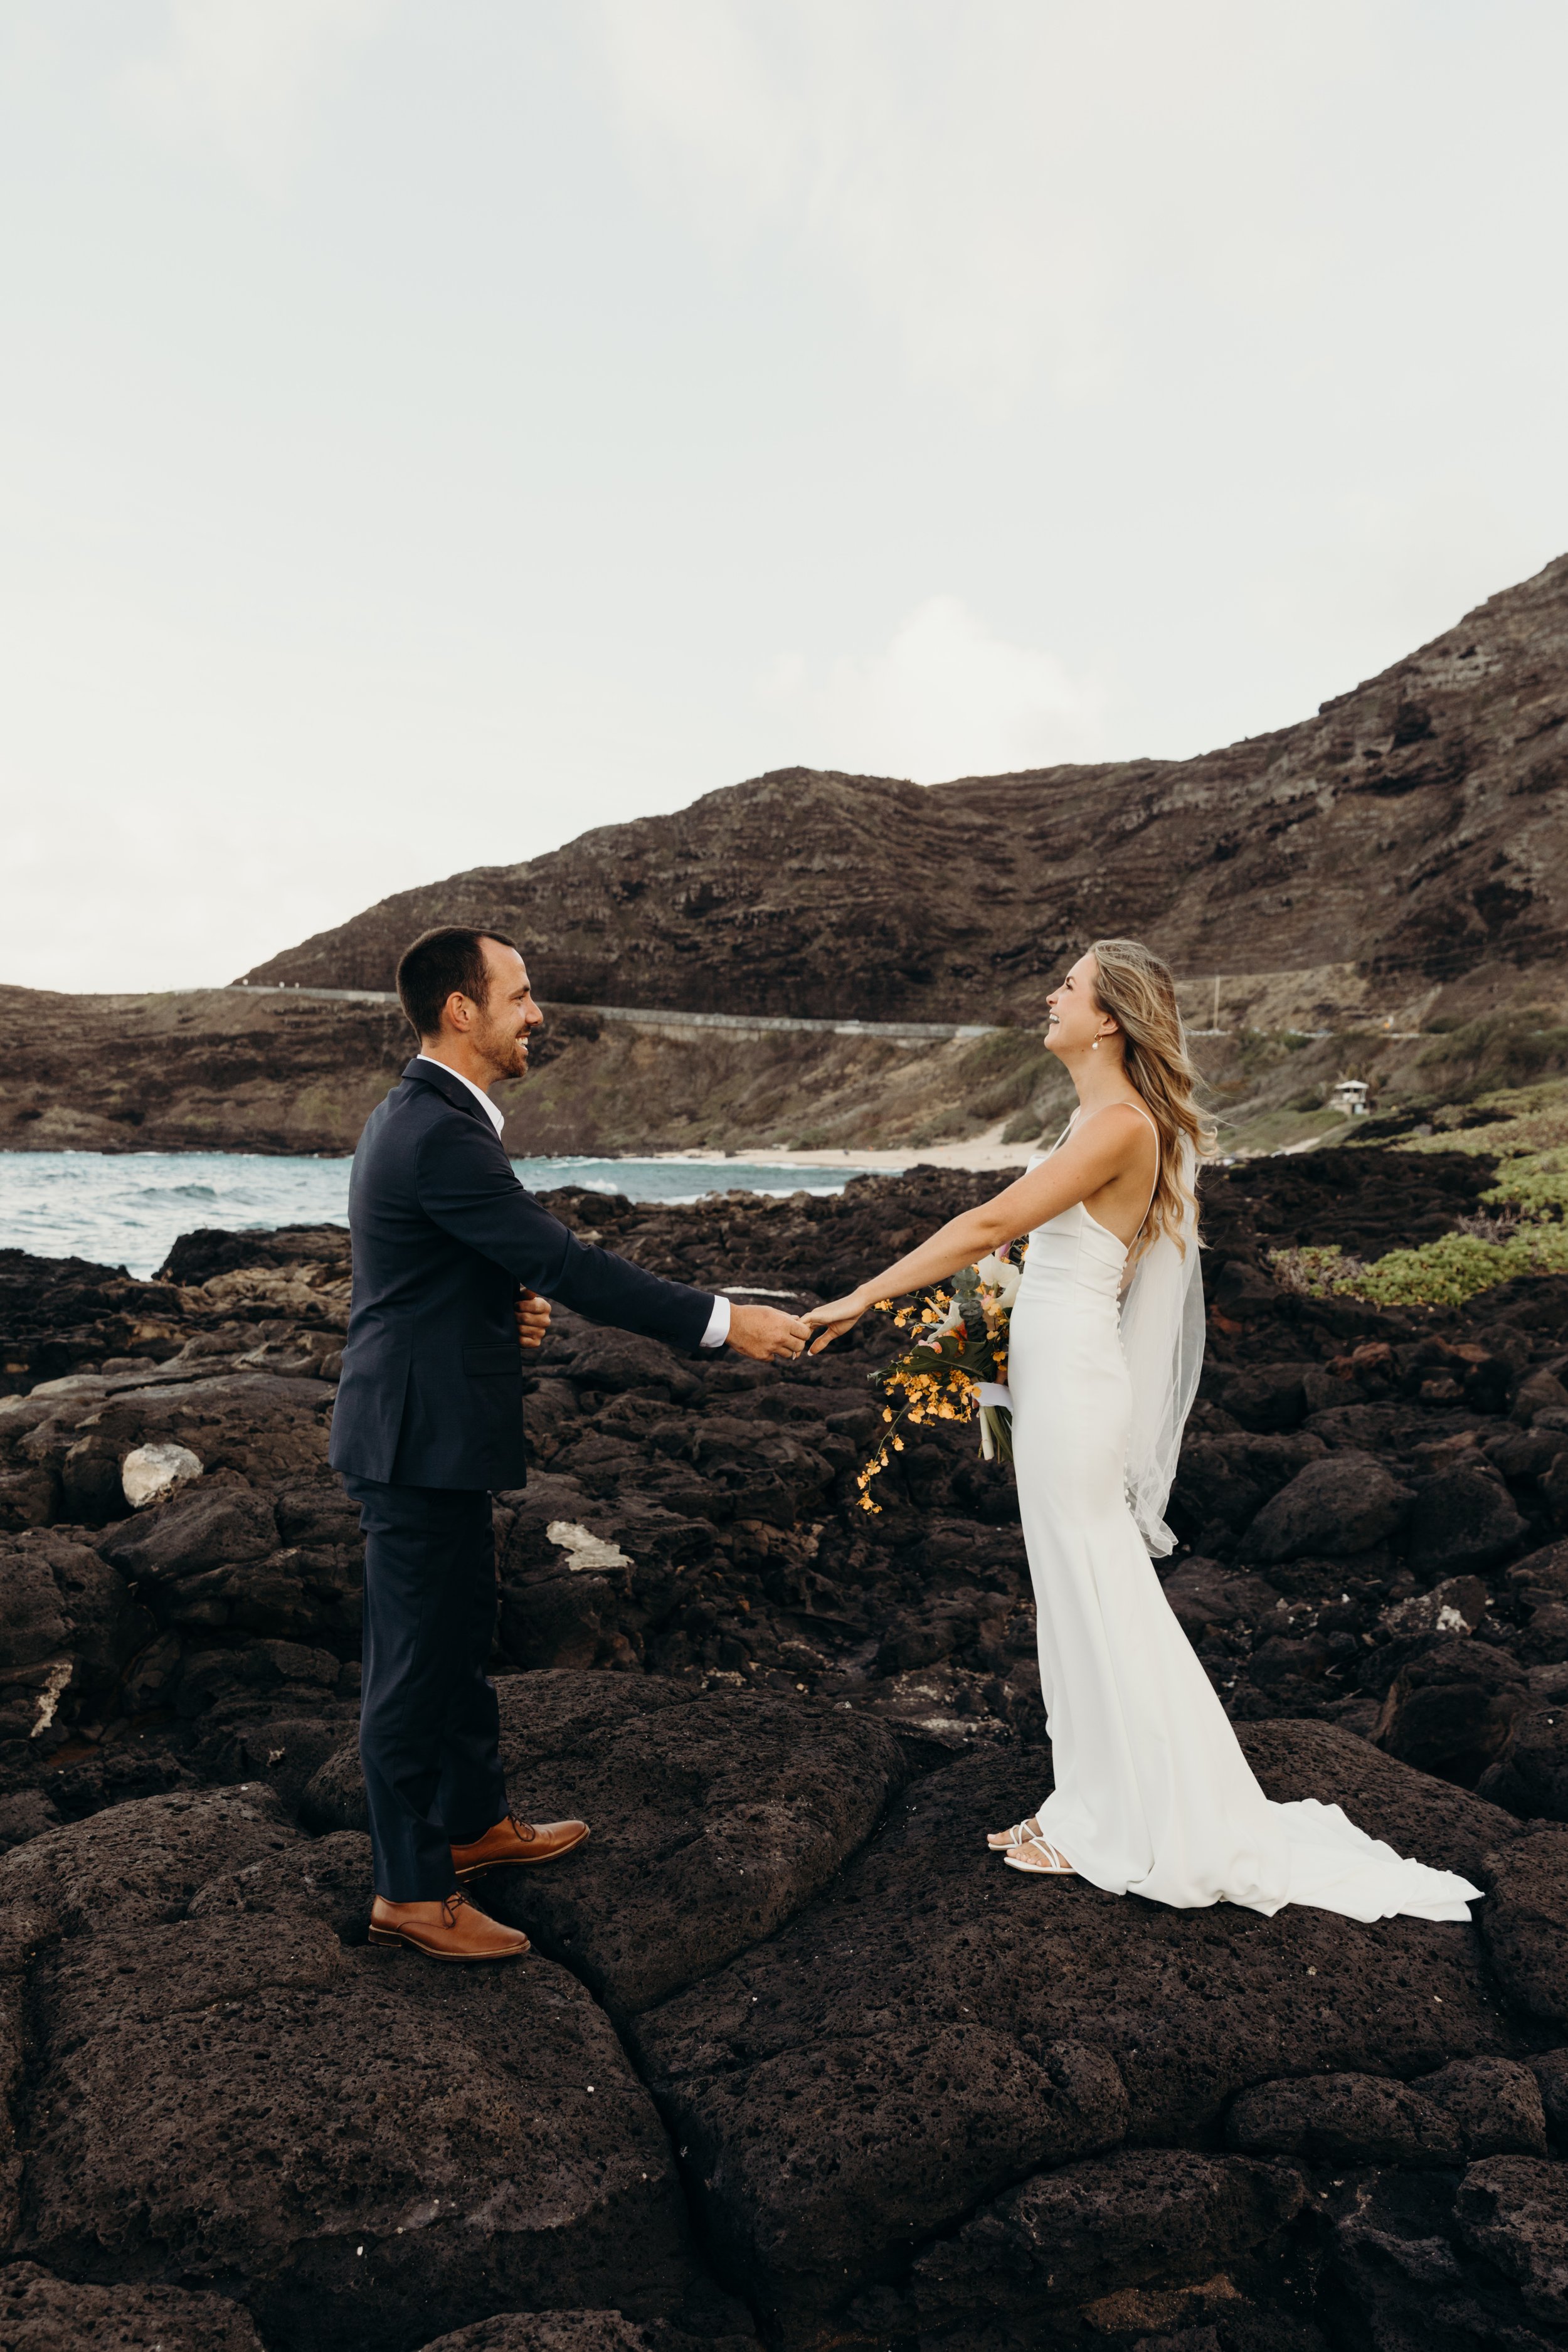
column 149, row 1472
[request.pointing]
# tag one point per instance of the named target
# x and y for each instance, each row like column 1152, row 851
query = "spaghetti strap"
column 1038, row 1159
column 1122, row 1103
column 1159, row 1156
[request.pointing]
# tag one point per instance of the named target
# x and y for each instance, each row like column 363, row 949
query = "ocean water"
column 126, row 1208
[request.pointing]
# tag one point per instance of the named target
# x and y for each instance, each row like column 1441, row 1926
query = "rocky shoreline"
column 795, row 2058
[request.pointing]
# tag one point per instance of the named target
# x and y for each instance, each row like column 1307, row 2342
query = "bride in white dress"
column 1152, row 1795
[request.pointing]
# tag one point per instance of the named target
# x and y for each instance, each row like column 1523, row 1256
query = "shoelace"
column 525, row 1829
column 450, row 1906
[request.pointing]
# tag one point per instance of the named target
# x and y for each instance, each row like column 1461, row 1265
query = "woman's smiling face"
column 1076, row 1020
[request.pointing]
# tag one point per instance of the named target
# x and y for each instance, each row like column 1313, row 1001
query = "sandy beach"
column 982, row 1152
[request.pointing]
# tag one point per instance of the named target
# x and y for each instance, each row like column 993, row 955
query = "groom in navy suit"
column 454, row 1268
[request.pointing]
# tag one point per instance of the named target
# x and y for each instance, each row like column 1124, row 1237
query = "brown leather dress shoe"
column 515, row 1840
column 449, row 1930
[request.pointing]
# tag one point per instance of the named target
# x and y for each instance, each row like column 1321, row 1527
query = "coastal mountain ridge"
column 1378, row 892
column 1411, row 833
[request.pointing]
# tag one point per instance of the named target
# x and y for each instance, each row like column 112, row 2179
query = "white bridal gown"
column 1153, row 1794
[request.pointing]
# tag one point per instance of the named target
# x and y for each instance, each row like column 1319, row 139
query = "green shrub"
column 1004, row 1050
column 1438, row 1274
column 1319, row 1271
column 1535, row 1185
column 1527, row 1137
column 1263, row 1049
column 1001, row 1074
column 1013, row 1092
column 1499, row 1049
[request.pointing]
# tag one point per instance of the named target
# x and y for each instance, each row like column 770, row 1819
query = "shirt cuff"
column 718, row 1331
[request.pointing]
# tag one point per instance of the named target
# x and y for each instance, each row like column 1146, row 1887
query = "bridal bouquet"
column 957, row 1366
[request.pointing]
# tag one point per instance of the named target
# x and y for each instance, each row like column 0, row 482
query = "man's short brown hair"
column 448, row 959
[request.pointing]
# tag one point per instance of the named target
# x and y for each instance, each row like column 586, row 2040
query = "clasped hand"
column 762, row 1332
column 834, row 1316
column 767, row 1334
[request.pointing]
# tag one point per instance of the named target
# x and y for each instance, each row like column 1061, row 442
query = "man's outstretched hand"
column 764, row 1332
column 532, row 1318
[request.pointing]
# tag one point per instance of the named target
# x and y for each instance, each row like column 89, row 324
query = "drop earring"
column 1094, row 1045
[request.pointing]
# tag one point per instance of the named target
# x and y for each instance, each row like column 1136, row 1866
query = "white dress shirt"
column 492, row 1111
column 718, row 1331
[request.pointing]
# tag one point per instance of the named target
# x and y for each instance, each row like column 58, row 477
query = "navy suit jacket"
column 431, row 1393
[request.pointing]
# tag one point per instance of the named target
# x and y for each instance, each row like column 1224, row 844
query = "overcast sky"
column 428, row 431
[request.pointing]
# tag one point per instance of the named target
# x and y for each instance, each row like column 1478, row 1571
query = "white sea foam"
column 128, row 1208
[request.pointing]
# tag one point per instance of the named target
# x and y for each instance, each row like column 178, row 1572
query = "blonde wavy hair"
column 1137, row 990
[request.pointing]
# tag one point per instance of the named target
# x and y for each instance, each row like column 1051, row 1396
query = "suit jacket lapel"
column 450, row 1090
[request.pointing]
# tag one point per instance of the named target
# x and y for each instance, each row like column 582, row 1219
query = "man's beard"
column 506, row 1053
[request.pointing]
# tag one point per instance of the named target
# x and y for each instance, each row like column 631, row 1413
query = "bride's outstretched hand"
column 834, row 1316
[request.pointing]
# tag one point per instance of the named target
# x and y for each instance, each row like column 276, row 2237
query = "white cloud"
column 944, row 698
column 240, row 78
column 1001, row 185
column 601, row 349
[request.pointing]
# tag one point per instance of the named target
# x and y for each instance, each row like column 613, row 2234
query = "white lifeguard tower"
column 1348, row 1096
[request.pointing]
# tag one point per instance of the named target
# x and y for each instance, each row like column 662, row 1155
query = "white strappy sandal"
column 1019, row 1834
column 1040, row 1858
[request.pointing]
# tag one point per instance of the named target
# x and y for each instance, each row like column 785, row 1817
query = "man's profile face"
column 509, row 1015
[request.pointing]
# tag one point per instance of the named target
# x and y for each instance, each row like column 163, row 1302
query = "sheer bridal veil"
column 1163, row 1341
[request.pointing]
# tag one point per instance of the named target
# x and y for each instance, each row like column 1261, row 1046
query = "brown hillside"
column 1414, row 830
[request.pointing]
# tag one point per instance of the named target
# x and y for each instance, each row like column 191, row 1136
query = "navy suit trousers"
column 429, row 1725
